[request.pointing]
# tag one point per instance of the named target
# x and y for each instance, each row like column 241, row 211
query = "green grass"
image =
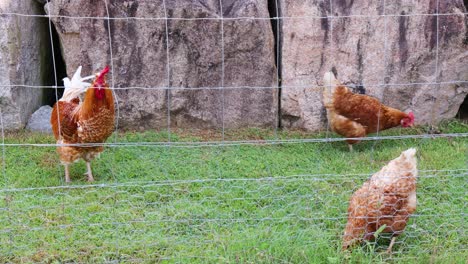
column 282, row 203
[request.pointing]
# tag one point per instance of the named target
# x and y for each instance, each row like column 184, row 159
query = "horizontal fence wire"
column 313, row 87
column 194, row 144
column 309, row 177
column 232, row 18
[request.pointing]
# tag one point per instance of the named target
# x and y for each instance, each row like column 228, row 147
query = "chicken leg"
column 389, row 249
column 89, row 173
column 67, row 174
column 350, row 147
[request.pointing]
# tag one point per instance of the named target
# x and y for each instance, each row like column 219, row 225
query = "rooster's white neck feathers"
column 76, row 86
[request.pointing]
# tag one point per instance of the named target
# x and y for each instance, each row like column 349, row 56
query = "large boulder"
column 40, row 120
column 396, row 58
column 192, row 67
column 23, row 61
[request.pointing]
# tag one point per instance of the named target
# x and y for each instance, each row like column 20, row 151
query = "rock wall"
column 23, row 61
column 376, row 52
column 140, row 59
column 206, row 63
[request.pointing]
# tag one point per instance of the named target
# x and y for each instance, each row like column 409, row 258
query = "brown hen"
column 386, row 200
column 356, row 115
column 83, row 122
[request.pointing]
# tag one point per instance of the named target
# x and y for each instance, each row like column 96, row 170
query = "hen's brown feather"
column 388, row 198
column 96, row 117
column 90, row 121
column 356, row 115
column 365, row 110
column 347, row 127
column 64, row 120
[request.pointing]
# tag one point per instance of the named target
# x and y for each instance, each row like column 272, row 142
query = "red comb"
column 103, row 73
column 411, row 116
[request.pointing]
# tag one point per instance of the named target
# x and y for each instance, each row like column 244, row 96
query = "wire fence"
column 264, row 196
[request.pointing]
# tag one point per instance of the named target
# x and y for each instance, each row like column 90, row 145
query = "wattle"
column 100, row 93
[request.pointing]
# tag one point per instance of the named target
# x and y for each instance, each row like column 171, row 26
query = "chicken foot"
column 89, row 173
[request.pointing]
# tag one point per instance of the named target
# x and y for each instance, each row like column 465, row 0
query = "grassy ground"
column 282, row 203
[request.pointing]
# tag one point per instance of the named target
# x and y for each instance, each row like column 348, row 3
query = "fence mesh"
column 224, row 195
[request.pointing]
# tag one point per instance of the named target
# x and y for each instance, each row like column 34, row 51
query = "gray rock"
column 372, row 50
column 40, row 120
column 195, row 59
column 23, row 50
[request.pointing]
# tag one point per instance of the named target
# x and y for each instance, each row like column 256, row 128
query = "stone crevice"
column 463, row 111
column 274, row 9
column 53, row 75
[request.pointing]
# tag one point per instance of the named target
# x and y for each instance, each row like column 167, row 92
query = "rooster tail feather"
column 330, row 82
column 66, row 82
column 77, row 74
column 75, row 87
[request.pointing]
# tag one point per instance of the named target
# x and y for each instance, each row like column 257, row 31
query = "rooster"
column 355, row 115
column 79, row 122
column 385, row 202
